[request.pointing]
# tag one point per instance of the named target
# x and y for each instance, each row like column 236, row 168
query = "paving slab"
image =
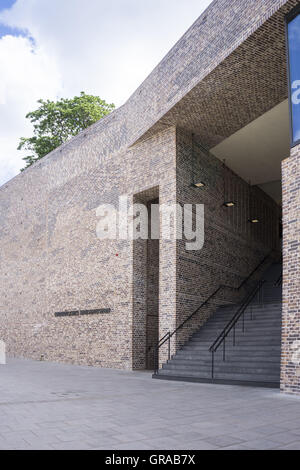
column 58, row 406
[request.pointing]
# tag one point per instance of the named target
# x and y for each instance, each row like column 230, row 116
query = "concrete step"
column 255, row 305
column 192, row 360
column 226, row 368
column 250, row 329
column 265, row 309
column 248, row 325
column 229, row 358
column 257, row 315
column 224, row 376
column 250, row 349
column 240, row 341
column 255, row 318
column 213, row 332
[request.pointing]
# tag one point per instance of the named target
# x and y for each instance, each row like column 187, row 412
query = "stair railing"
column 278, row 283
column 231, row 325
column 168, row 336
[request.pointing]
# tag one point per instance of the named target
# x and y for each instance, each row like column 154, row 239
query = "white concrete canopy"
column 256, row 151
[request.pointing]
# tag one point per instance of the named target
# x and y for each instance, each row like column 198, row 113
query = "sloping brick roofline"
column 250, row 81
column 215, row 35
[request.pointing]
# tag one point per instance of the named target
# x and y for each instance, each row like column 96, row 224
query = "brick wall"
column 52, row 261
column 290, row 371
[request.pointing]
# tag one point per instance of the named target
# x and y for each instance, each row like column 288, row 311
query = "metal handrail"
column 231, row 325
column 167, row 337
column 278, row 283
column 215, row 346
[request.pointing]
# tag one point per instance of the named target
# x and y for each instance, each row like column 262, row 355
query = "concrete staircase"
column 255, row 358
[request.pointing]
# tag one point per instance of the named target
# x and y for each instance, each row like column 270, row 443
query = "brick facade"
column 227, row 70
column 54, row 262
column 290, row 376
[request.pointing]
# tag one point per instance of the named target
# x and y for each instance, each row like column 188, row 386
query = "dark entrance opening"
column 152, row 321
column 145, row 322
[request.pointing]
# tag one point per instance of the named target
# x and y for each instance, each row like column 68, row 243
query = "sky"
column 57, row 48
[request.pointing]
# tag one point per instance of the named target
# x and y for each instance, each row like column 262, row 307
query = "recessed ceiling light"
column 229, row 204
column 254, row 221
column 199, row 185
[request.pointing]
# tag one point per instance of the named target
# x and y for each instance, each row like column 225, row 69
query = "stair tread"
column 250, row 377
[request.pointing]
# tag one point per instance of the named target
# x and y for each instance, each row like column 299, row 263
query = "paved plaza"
column 56, row 406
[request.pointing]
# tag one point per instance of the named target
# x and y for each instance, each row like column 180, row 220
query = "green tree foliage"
column 56, row 122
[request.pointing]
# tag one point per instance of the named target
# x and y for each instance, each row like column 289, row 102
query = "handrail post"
column 261, row 292
column 212, row 364
column 224, row 348
column 169, row 346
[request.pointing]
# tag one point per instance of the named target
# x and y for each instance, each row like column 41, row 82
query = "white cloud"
column 26, row 76
column 104, row 48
